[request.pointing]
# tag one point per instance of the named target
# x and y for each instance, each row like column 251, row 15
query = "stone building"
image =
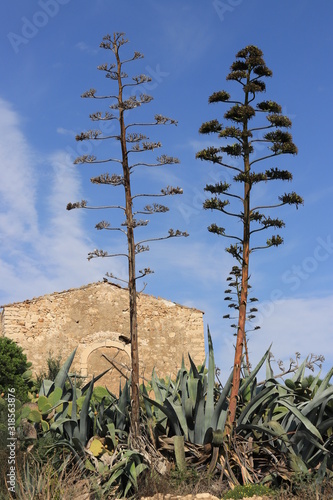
column 95, row 320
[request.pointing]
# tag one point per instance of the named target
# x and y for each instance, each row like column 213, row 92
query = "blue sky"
column 50, row 52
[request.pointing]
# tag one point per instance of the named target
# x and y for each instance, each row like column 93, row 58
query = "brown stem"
column 135, row 413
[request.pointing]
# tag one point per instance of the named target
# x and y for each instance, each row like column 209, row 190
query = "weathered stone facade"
column 95, row 320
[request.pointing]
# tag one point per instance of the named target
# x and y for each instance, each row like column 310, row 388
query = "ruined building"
column 95, row 320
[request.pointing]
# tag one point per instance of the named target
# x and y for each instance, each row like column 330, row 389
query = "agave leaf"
column 133, row 478
column 323, row 426
column 264, row 397
column 169, row 412
column 167, row 389
column 146, row 403
column 199, row 427
column 250, row 379
column 305, row 421
column 188, row 409
column 69, row 427
column 194, row 369
column 192, row 386
column 84, row 416
column 279, row 412
column 271, row 431
column 86, row 386
column 140, row 468
column 61, row 410
column 65, row 443
column 178, row 410
column 74, row 403
column 324, row 385
column 118, row 471
column 269, row 370
column 321, row 473
column 318, row 399
column 248, row 394
column 221, row 405
column 209, row 407
column 222, row 419
column 183, row 385
column 156, row 389
column 307, row 436
column 297, row 464
column 314, row 382
column 280, row 433
column 46, row 387
column 123, row 403
column 61, row 377
column 299, row 374
column 317, row 458
column 112, row 432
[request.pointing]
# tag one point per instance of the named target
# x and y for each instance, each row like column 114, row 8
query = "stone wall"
column 95, row 320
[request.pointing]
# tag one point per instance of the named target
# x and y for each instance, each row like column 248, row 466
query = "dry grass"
column 193, row 483
column 45, row 483
column 35, row 481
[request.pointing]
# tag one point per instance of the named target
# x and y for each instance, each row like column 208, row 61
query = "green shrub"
column 249, row 490
column 14, row 369
column 53, row 367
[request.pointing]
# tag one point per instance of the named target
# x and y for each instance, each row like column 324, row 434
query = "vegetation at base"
column 282, row 441
column 15, row 370
column 249, row 490
column 53, row 366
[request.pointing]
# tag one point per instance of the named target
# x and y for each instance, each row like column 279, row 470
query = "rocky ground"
column 199, row 496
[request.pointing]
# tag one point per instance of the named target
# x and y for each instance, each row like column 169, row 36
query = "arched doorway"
column 114, row 357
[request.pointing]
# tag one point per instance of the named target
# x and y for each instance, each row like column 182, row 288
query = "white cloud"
column 43, row 247
column 65, row 131
column 84, row 47
column 18, row 215
column 293, row 325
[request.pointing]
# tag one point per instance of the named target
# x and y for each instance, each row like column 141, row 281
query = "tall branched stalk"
column 131, row 144
column 248, row 70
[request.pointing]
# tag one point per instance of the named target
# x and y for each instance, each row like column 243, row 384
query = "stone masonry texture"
column 95, row 320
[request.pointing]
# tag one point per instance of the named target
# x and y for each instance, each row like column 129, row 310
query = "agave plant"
column 294, row 418
column 117, row 469
column 62, row 409
column 192, row 408
column 92, row 424
column 190, row 404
